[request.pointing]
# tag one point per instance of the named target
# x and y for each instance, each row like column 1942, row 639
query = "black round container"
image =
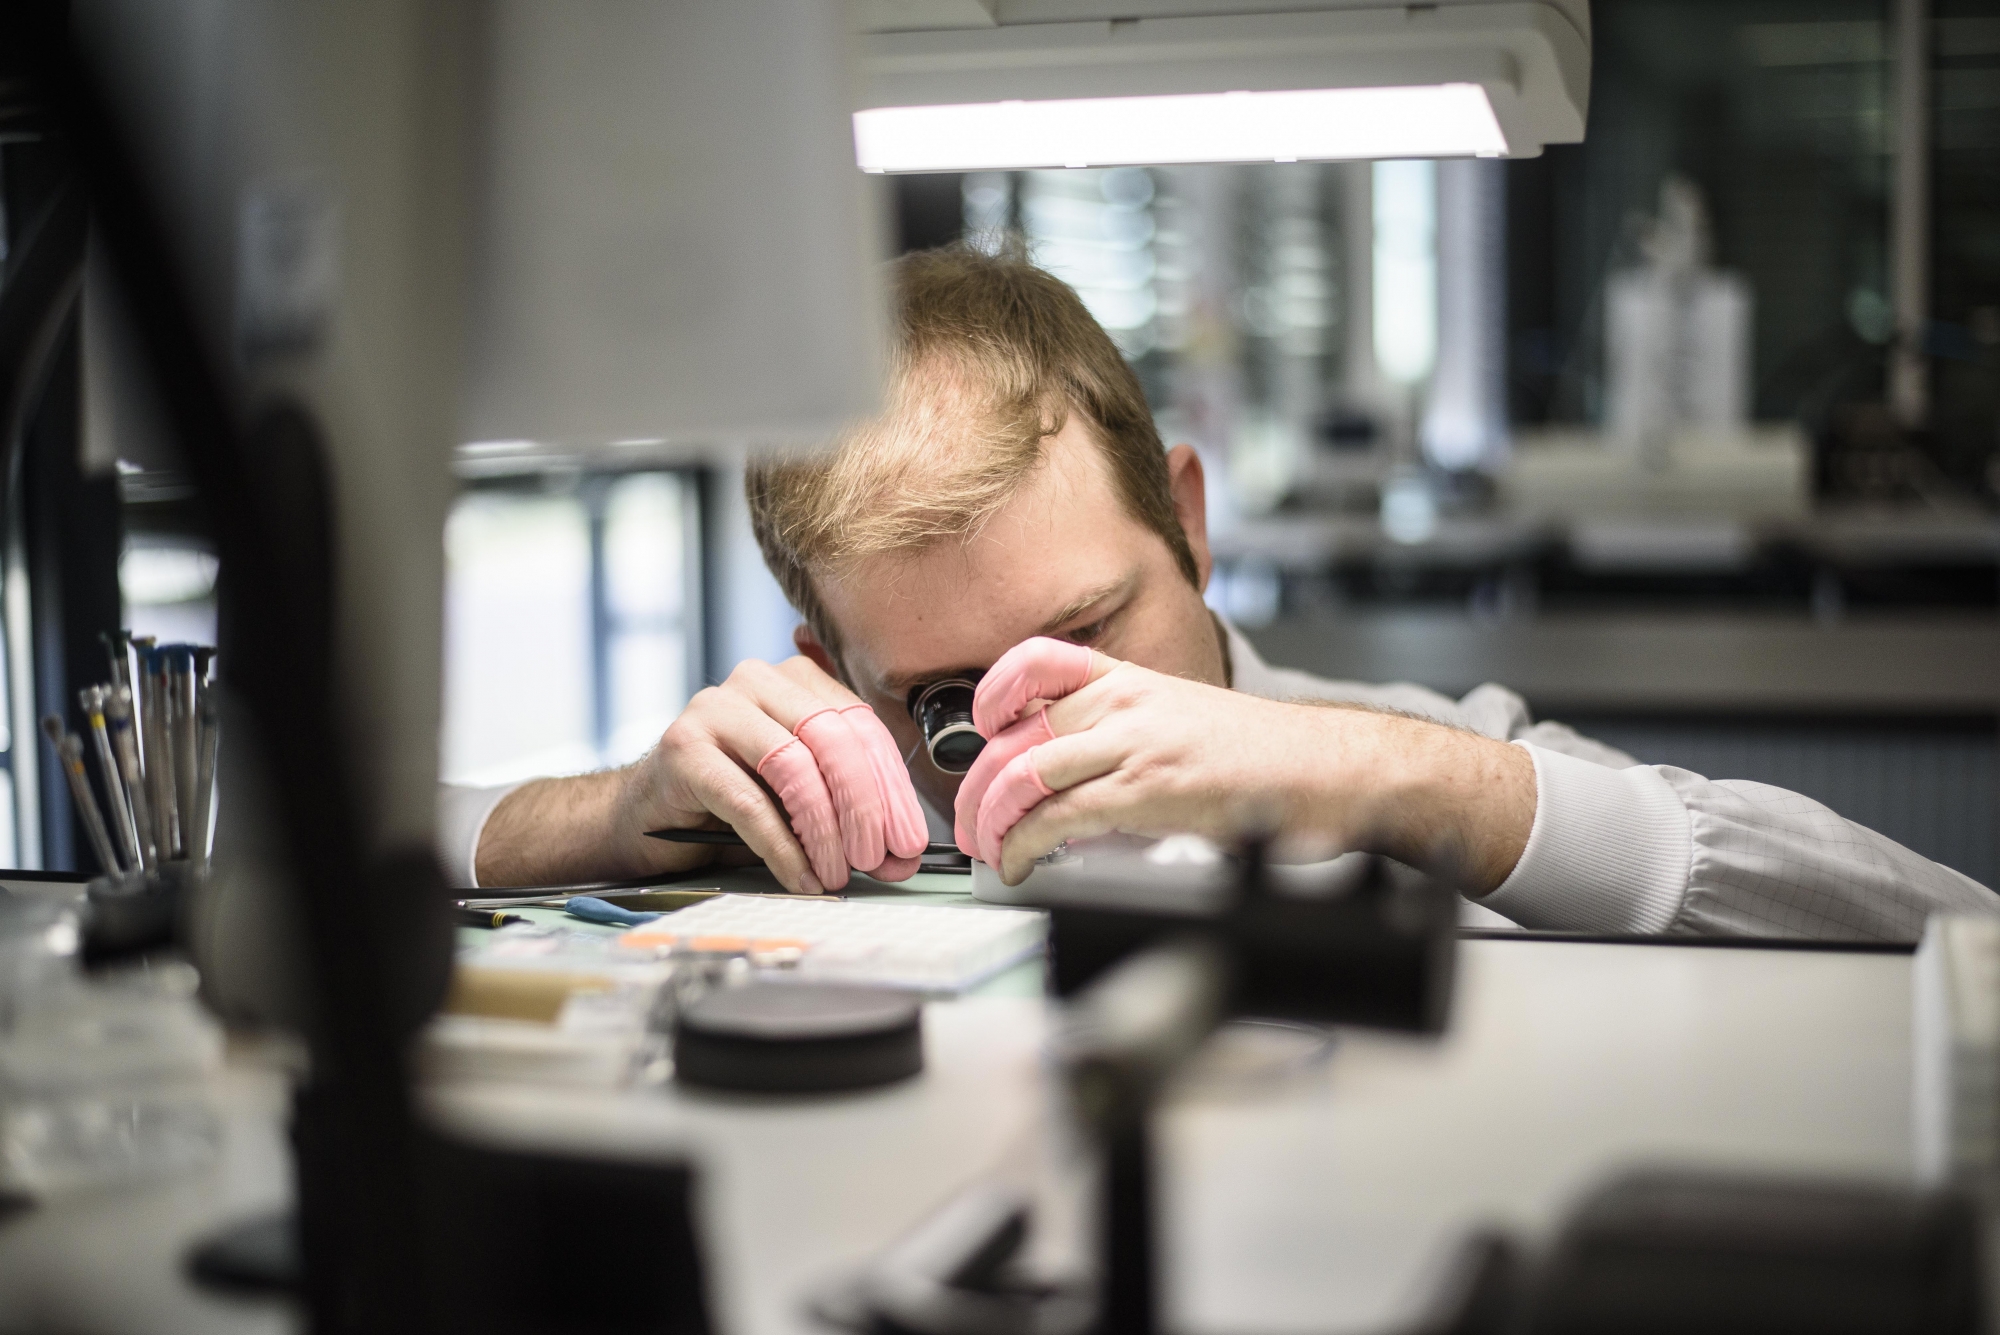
column 798, row 1038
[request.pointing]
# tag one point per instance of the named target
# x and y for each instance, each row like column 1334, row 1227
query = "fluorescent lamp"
column 1319, row 124
column 1134, row 82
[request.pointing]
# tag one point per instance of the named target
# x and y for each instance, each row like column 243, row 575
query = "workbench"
column 1323, row 1202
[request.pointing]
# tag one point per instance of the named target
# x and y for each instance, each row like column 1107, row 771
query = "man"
column 1013, row 510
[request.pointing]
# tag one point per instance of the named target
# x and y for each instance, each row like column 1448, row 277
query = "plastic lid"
column 799, row 1038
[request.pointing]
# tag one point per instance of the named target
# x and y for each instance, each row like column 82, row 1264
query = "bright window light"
column 1405, row 207
column 1441, row 120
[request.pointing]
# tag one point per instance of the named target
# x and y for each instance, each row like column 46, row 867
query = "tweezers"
column 731, row 839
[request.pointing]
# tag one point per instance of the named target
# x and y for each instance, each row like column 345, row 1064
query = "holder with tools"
column 154, row 730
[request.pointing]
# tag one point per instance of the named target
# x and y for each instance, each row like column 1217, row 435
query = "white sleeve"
column 1651, row 849
column 1608, row 851
column 1773, row 863
column 461, row 819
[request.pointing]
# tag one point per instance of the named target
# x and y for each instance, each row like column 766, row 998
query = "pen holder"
column 135, row 913
column 153, row 730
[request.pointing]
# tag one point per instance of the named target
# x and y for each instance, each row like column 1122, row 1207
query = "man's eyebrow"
column 900, row 683
column 1078, row 606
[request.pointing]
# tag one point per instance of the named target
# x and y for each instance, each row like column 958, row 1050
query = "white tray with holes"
column 929, row 949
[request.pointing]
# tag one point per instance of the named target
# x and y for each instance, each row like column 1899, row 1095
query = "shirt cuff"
column 461, row 819
column 1609, row 851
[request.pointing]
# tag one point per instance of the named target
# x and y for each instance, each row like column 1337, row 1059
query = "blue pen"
column 592, row 909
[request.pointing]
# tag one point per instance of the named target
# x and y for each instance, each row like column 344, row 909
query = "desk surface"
column 1564, row 1061
column 1319, row 1205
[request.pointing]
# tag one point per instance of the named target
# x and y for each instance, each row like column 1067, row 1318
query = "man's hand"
column 826, row 756
column 1081, row 744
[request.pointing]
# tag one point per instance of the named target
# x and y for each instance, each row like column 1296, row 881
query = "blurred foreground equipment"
column 282, row 196
column 1655, row 1250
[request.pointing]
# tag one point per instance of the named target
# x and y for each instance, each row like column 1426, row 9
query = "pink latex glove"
column 1005, row 789
column 1040, row 669
column 794, row 776
column 905, row 830
column 848, row 795
column 1003, row 784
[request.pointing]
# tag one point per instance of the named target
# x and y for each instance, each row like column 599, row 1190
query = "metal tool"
column 208, row 737
column 731, row 839
column 69, row 752
column 92, row 699
column 159, row 754
column 184, row 725
column 118, row 649
column 664, row 900
column 124, row 740
column 135, row 676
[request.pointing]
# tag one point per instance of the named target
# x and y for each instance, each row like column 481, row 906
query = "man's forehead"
column 942, row 640
column 1060, row 544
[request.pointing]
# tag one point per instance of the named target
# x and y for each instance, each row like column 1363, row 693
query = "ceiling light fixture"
column 952, row 87
column 1444, row 120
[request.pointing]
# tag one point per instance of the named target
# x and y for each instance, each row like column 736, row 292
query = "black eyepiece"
column 943, row 710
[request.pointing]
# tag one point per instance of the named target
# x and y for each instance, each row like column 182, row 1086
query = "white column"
column 1405, row 280
column 1465, row 421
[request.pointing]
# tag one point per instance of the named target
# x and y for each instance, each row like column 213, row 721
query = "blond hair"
column 992, row 354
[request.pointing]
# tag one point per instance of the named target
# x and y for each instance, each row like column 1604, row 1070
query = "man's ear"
column 808, row 644
column 1190, row 492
